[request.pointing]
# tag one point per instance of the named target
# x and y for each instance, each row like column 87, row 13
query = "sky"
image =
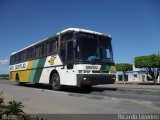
column 133, row 24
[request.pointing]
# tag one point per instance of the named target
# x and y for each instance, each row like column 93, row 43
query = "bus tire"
column 55, row 82
column 18, row 81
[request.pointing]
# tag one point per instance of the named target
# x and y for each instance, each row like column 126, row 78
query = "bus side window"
column 28, row 54
column 15, row 58
column 19, row 57
column 12, row 59
column 25, row 55
column 22, row 56
column 47, row 48
column 32, row 53
column 51, row 47
column 55, row 46
column 37, row 50
column 42, row 50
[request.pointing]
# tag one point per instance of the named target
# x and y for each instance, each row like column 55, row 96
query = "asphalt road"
column 106, row 99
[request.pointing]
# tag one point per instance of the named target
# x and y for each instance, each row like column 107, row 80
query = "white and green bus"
column 74, row 57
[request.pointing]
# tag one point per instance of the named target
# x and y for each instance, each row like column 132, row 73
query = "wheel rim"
column 55, row 81
column 17, row 79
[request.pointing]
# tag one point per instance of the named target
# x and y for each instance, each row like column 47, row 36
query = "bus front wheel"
column 55, row 82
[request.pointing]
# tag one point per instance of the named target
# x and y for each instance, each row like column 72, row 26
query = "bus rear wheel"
column 55, row 82
column 18, row 81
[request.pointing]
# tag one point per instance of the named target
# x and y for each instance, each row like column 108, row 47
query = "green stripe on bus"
column 105, row 67
column 39, row 69
column 33, row 71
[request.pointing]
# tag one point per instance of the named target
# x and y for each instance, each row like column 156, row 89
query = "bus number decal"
column 91, row 67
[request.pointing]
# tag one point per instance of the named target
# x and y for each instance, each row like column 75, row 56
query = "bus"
column 73, row 57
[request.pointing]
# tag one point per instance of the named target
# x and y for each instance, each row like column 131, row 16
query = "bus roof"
column 83, row 30
column 63, row 31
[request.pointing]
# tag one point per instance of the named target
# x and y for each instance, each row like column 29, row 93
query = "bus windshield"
column 93, row 48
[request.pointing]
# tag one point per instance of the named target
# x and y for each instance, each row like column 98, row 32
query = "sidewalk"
column 137, row 83
column 133, row 85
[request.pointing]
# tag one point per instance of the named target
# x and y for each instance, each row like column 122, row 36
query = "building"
column 137, row 75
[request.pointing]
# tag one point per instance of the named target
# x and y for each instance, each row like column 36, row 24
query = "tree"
column 151, row 63
column 124, row 67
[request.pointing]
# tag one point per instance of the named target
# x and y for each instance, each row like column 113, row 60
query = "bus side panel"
column 36, row 70
column 31, row 76
column 40, row 67
column 51, row 63
column 24, row 75
column 67, row 77
column 45, row 75
column 33, row 68
column 12, row 76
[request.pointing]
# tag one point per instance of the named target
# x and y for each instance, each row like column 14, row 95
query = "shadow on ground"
column 72, row 89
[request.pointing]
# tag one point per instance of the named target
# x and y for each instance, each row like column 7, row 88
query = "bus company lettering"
column 91, row 67
column 20, row 66
column 11, row 68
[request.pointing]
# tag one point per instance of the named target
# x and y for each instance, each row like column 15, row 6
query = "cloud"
column 2, row 62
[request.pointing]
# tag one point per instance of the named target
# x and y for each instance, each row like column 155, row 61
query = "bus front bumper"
column 95, row 79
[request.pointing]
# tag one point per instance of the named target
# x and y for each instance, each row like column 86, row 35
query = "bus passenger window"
column 22, row 56
column 37, row 52
column 47, row 48
column 55, row 50
column 42, row 50
column 25, row 55
column 14, row 58
column 28, row 53
column 19, row 57
column 32, row 52
column 51, row 47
